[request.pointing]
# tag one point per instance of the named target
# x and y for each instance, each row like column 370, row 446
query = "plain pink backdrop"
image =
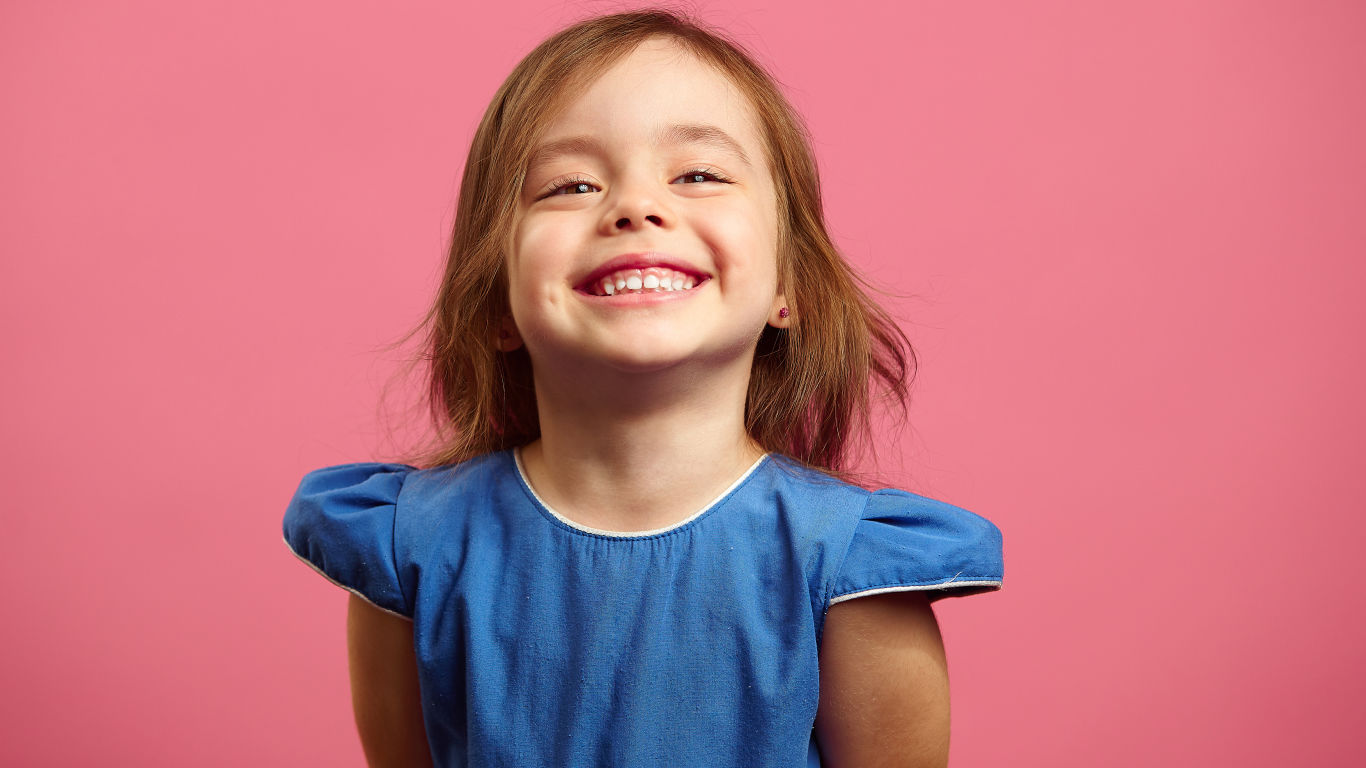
column 1128, row 240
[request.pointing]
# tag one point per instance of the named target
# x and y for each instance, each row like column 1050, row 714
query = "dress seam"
column 827, row 589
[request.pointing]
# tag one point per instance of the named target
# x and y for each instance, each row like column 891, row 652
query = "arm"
column 884, row 684
column 384, row 687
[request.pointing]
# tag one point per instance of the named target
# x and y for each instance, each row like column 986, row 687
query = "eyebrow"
column 673, row 135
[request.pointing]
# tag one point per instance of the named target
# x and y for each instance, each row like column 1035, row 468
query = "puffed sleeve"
column 341, row 522
column 908, row 542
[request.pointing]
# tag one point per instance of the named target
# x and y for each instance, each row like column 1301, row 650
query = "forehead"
column 658, row 93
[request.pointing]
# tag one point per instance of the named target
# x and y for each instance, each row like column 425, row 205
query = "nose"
column 638, row 206
column 625, row 221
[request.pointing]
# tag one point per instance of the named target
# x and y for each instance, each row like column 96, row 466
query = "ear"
column 508, row 338
column 780, row 315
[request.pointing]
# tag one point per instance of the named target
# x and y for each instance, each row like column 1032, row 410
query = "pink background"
column 1129, row 243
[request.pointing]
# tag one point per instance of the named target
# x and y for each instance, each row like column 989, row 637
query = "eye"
column 700, row 175
column 572, row 185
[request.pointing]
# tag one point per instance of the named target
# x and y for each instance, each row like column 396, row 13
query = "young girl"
column 631, row 546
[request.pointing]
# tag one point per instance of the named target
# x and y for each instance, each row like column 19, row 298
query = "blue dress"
column 540, row 642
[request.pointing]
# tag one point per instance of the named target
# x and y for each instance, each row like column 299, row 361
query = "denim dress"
column 541, row 642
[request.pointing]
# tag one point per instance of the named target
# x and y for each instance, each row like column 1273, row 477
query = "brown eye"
column 568, row 186
column 700, row 176
column 574, row 188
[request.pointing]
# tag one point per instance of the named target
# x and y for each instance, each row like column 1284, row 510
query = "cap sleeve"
column 341, row 522
column 906, row 542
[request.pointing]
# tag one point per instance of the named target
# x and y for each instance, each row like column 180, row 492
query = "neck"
column 631, row 452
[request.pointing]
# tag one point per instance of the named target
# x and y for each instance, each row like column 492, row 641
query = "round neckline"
column 580, row 528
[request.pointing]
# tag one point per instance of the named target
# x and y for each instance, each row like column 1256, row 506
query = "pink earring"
column 783, row 313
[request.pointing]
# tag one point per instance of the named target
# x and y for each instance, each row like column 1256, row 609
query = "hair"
column 811, row 385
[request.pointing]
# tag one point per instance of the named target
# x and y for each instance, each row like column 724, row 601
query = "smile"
column 648, row 280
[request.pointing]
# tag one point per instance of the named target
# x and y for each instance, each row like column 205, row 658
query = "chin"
column 645, row 363
column 662, row 360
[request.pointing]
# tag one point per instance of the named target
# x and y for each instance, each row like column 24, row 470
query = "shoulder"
column 865, row 542
column 368, row 526
column 343, row 496
column 450, row 483
column 342, row 488
column 803, row 487
column 904, row 541
column 912, row 513
column 341, row 522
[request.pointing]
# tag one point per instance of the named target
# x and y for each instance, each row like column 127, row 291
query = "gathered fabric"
column 544, row 642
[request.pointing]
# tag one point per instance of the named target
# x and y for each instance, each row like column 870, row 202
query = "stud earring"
column 783, row 313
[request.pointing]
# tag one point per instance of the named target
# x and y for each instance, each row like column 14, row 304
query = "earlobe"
column 780, row 316
column 508, row 338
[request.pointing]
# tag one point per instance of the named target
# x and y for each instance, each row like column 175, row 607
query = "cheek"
column 522, row 256
column 540, row 251
column 752, row 243
column 535, row 246
column 746, row 233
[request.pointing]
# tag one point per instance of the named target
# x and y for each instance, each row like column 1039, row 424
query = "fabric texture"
column 542, row 642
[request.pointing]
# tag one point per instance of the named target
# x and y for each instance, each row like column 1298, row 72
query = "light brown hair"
column 809, row 391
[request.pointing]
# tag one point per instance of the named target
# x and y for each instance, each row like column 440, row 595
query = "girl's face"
column 646, row 232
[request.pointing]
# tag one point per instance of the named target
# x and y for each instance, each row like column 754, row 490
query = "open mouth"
column 648, row 280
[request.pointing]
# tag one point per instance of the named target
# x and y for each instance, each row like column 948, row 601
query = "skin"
column 636, row 398
column 884, row 690
column 641, row 403
column 384, row 687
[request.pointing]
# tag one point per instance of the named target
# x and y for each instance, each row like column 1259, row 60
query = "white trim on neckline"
column 526, row 483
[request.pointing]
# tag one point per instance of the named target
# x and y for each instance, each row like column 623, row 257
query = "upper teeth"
column 641, row 280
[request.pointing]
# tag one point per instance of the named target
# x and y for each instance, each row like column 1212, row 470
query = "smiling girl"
column 632, row 544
